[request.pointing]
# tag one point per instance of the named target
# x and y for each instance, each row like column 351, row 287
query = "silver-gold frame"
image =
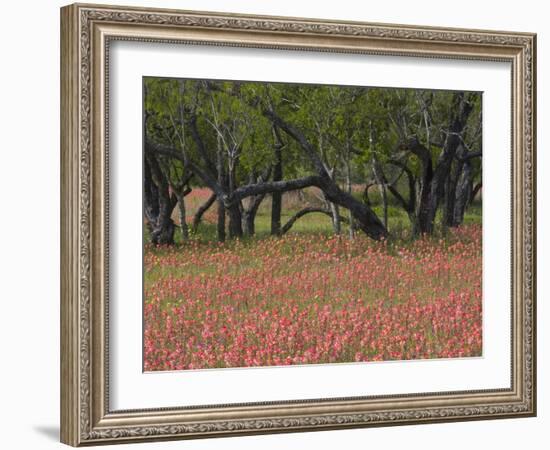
column 86, row 33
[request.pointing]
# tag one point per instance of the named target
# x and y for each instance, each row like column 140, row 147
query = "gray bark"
column 381, row 181
column 349, row 188
column 249, row 215
column 277, row 197
column 434, row 177
column 335, row 216
column 463, row 194
column 220, row 228
column 158, row 216
column 235, row 220
column 182, row 216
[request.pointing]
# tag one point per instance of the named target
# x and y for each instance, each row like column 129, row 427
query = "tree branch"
column 299, row 137
column 470, row 155
column 276, row 186
column 203, row 208
column 308, row 210
column 408, row 206
column 160, row 149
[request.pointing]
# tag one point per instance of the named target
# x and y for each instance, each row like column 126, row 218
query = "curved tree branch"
column 308, row 210
column 277, row 186
column 299, row 137
column 202, row 209
column 470, row 155
column 410, row 205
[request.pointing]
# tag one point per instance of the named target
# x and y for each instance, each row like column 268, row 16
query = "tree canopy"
column 421, row 149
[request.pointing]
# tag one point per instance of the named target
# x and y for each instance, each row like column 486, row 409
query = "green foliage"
column 368, row 121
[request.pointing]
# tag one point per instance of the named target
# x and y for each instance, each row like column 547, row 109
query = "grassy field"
column 312, row 297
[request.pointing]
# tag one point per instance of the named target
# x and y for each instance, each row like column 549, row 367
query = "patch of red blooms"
column 312, row 299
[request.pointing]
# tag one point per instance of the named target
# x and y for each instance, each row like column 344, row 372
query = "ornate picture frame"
column 87, row 31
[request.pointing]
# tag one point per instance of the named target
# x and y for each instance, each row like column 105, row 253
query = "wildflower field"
column 313, row 297
column 297, row 223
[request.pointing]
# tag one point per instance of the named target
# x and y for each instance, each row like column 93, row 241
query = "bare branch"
column 277, row 186
column 308, row 210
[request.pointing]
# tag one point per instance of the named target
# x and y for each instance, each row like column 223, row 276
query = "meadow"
column 312, row 297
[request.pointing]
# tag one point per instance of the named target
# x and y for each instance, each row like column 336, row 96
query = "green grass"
column 379, row 299
column 473, row 213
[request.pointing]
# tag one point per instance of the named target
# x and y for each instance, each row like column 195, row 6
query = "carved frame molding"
column 86, row 33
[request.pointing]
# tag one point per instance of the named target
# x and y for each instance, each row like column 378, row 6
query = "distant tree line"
column 421, row 149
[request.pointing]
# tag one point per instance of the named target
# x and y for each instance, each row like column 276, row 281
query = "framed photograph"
column 274, row 224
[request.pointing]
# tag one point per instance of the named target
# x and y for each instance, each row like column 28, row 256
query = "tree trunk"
column 249, row 215
column 423, row 222
column 381, row 181
column 335, row 215
column 220, row 229
column 161, row 226
column 248, row 223
column 163, row 232
column 150, row 197
column 221, row 183
column 463, row 194
column 450, row 199
column 277, row 197
column 182, row 215
column 451, row 187
column 334, row 210
column 235, row 220
column 379, row 177
column 350, row 191
column 453, row 144
column 432, row 187
column 384, row 194
column 276, row 209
